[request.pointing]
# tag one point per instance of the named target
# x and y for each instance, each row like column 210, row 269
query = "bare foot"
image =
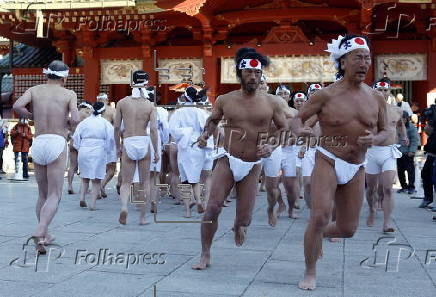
column 200, row 208
column 153, row 208
column 48, row 239
column 370, row 219
column 308, row 283
column 297, row 205
column 92, row 208
column 39, row 244
column 272, row 217
column 387, row 229
column 292, row 215
column 240, row 233
column 142, row 222
column 103, row 193
column 204, row 262
column 123, row 217
column 83, row 204
column 332, row 239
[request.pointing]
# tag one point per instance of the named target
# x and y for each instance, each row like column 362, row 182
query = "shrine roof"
column 30, row 57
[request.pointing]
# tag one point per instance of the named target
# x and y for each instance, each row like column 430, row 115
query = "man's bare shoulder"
column 377, row 96
column 222, row 99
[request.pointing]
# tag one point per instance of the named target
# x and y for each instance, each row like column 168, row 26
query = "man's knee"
column 348, row 231
column 213, row 210
column 320, row 220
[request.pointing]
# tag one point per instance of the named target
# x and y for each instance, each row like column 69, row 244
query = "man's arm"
column 309, row 109
column 153, row 130
column 279, row 116
column 213, row 120
column 74, row 112
column 20, row 105
column 382, row 121
column 117, row 125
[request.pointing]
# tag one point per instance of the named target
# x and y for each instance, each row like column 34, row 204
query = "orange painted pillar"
column 91, row 71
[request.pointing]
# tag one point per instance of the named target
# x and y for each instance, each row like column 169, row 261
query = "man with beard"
column 339, row 176
column 248, row 112
column 381, row 161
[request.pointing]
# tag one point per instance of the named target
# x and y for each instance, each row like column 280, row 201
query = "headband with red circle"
column 250, row 64
column 300, row 95
column 382, row 85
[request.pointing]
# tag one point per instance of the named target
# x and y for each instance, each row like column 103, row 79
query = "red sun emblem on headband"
column 253, row 63
column 299, row 95
column 382, row 84
column 317, row 86
column 359, row 41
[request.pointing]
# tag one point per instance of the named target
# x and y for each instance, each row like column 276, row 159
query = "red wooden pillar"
column 91, row 71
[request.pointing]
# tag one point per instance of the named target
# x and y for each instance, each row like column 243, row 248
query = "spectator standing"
column 404, row 105
column 407, row 162
column 21, row 138
column 3, row 141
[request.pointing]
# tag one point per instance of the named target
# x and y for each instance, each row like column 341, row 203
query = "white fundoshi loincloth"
column 47, row 148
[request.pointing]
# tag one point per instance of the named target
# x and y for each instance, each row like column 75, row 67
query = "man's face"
column 399, row 97
column 284, row 94
column 263, row 87
column 385, row 92
column 86, row 112
column 298, row 103
column 356, row 64
column 250, row 79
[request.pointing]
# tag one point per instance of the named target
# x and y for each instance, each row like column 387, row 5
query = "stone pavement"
column 270, row 264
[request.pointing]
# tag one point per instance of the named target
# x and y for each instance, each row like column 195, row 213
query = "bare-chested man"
column 136, row 112
column 248, row 112
column 51, row 105
column 111, row 167
column 382, row 162
column 85, row 110
column 351, row 109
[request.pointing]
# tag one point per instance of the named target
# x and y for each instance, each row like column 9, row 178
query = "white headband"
column 57, row 73
column 250, row 64
column 300, row 95
column 282, row 88
column 314, row 87
column 99, row 111
column 382, row 85
column 102, row 97
column 87, row 105
column 350, row 45
column 141, row 93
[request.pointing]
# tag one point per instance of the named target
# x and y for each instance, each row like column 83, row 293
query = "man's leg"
column 371, row 192
column 110, row 172
column 25, row 161
column 306, row 181
column 410, row 168
column 72, row 169
column 323, row 190
column 401, row 168
column 96, row 185
column 427, row 183
column 55, row 181
column 1, row 159
column 386, row 179
column 154, row 195
column 222, row 183
column 292, row 193
column 144, row 186
column 41, row 180
column 127, row 172
column 272, row 194
column 246, row 190
column 206, row 179
column 175, row 180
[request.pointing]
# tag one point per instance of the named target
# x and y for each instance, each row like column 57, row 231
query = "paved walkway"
column 270, row 264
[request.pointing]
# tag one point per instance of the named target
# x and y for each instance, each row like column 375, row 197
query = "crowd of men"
column 340, row 141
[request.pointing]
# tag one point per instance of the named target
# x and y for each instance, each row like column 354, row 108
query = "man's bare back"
column 109, row 114
column 246, row 118
column 347, row 113
column 135, row 114
column 51, row 104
